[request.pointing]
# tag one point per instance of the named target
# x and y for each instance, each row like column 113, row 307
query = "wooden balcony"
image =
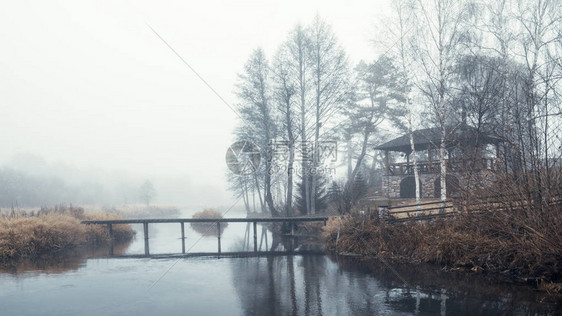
column 453, row 165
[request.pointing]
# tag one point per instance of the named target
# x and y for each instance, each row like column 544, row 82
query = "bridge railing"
column 439, row 209
column 434, row 166
column 218, row 221
column 422, row 211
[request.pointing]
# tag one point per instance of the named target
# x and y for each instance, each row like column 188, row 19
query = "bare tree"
column 147, row 192
column 439, row 35
column 405, row 19
column 539, row 21
column 285, row 93
column 255, row 93
column 297, row 53
column 329, row 70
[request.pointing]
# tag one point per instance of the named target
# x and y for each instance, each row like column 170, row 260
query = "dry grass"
column 515, row 242
column 208, row 229
column 98, row 234
column 513, row 227
column 53, row 230
column 208, row 213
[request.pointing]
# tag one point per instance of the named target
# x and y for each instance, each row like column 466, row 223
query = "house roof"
column 424, row 138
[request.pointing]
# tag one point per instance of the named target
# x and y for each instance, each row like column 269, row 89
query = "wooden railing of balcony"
column 454, row 165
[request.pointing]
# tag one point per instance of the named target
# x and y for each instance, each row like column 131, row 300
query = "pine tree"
column 359, row 188
column 334, row 193
column 322, row 196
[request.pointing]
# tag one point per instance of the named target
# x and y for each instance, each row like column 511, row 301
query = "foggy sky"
column 88, row 85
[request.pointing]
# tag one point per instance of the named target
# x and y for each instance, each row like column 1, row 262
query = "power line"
column 194, row 71
column 195, row 243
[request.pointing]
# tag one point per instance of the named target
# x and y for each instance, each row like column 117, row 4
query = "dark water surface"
column 271, row 285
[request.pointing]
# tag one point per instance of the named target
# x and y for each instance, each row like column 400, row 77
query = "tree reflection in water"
column 318, row 285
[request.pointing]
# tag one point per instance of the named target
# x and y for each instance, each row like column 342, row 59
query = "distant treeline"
column 19, row 189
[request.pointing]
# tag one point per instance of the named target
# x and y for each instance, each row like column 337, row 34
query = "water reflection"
column 272, row 285
column 306, row 284
column 165, row 239
column 209, row 229
column 455, row 292
column 65, row 261
column 317, row 285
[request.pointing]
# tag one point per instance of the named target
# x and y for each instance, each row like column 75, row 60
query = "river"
column 90, row 283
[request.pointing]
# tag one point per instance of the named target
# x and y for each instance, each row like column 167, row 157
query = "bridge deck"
column 210, row 220
column 224, row 254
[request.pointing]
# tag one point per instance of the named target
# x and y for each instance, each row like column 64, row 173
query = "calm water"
column 274, row 285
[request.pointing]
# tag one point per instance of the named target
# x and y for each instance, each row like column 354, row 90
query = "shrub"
column 208, row 229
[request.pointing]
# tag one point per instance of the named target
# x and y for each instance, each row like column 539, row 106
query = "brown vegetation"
column 208, row 229
column 53, row 230
column 508, row 236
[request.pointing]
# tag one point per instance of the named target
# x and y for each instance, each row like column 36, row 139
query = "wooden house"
column 471, row 157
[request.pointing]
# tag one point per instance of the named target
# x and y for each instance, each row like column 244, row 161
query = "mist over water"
column 29, row 180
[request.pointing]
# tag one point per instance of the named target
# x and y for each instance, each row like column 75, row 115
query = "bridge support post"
column 182, row 238
column 266, row 243
column 219, row 236
column 111, row 239
column 247, row 237
column 145, row 229
column 255, row 238
column 292, row 228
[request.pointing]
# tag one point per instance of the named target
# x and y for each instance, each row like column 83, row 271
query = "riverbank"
column 53, row 230
column 137, row 210
column 522, row 246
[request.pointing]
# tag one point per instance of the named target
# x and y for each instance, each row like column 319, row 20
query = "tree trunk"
column 262, row 205
column 366, row 135
column 414, row 157
column 349, row 157
column 245, row 197
column 304, row 153
column 315, row 158
column 289, row 198
column 443, row 162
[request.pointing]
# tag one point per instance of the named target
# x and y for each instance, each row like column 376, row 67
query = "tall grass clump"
column 208, row 229
column 53, row 230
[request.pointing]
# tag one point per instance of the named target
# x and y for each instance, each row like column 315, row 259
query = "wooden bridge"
column 391, row 214
column 289, row 220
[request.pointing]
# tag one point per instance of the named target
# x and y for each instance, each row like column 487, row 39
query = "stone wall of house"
column 427, row 185
column 476, row 180
column 391, row 186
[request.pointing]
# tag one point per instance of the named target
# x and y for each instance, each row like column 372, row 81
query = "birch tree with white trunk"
column 439, row 35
